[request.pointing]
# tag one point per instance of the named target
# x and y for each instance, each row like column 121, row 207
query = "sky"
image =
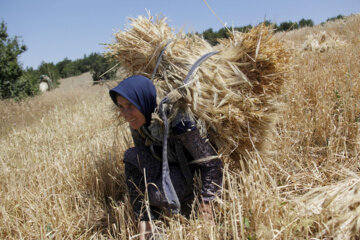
column 56, row 29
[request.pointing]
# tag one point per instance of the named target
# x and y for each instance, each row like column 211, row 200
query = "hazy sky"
column 55, row 29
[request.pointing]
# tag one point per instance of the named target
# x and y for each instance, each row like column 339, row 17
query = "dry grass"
column 61, row 176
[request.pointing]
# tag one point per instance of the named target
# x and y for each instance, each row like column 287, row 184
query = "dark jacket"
column 141, row 158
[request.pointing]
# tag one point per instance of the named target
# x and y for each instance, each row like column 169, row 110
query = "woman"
column 136, row 98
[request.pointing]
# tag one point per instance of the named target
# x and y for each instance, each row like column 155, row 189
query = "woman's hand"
column 205, row 211
column 144, row 230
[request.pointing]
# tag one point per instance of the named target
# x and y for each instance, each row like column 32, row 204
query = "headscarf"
column 138, row 90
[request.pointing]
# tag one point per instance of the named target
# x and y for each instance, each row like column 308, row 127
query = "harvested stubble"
column 231, row 95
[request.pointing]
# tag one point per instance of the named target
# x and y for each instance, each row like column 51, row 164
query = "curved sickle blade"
column 159, row 59
column 197, row 64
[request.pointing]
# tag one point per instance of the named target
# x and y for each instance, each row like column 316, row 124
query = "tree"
column 306, row 23
column 287, row 26
column 63, row 68
column 100, row 66
column 244, row 29
column 210, row 36
column 50, row 70
column 223, row 33
column 335, row 18
column 10, row 69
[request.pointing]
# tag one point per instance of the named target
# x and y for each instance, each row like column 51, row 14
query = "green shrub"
column 26, row 85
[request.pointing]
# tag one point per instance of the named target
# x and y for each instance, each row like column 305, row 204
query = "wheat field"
column 61, row 172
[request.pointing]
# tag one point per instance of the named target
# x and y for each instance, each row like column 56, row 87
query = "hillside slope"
column 78, row 82
column 16, row 115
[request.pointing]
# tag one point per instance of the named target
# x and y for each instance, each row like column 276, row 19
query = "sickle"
column 168, row 188
column 159, row 59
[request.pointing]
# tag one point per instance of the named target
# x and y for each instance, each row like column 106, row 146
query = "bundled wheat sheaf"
column 322, row 42
column 339, row 206
column 232, row 93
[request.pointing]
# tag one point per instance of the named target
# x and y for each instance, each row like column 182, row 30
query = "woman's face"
column 131, row 114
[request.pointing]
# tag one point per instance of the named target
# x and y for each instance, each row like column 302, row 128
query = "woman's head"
column 136, row 98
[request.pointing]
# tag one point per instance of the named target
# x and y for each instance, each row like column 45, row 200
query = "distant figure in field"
column 45, row 83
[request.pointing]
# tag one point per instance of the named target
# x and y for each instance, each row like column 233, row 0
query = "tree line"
column 16, row 82
column 211, row 36
column 95, row 63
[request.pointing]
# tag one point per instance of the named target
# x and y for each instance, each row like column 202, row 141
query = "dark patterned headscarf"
column 138, row 90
